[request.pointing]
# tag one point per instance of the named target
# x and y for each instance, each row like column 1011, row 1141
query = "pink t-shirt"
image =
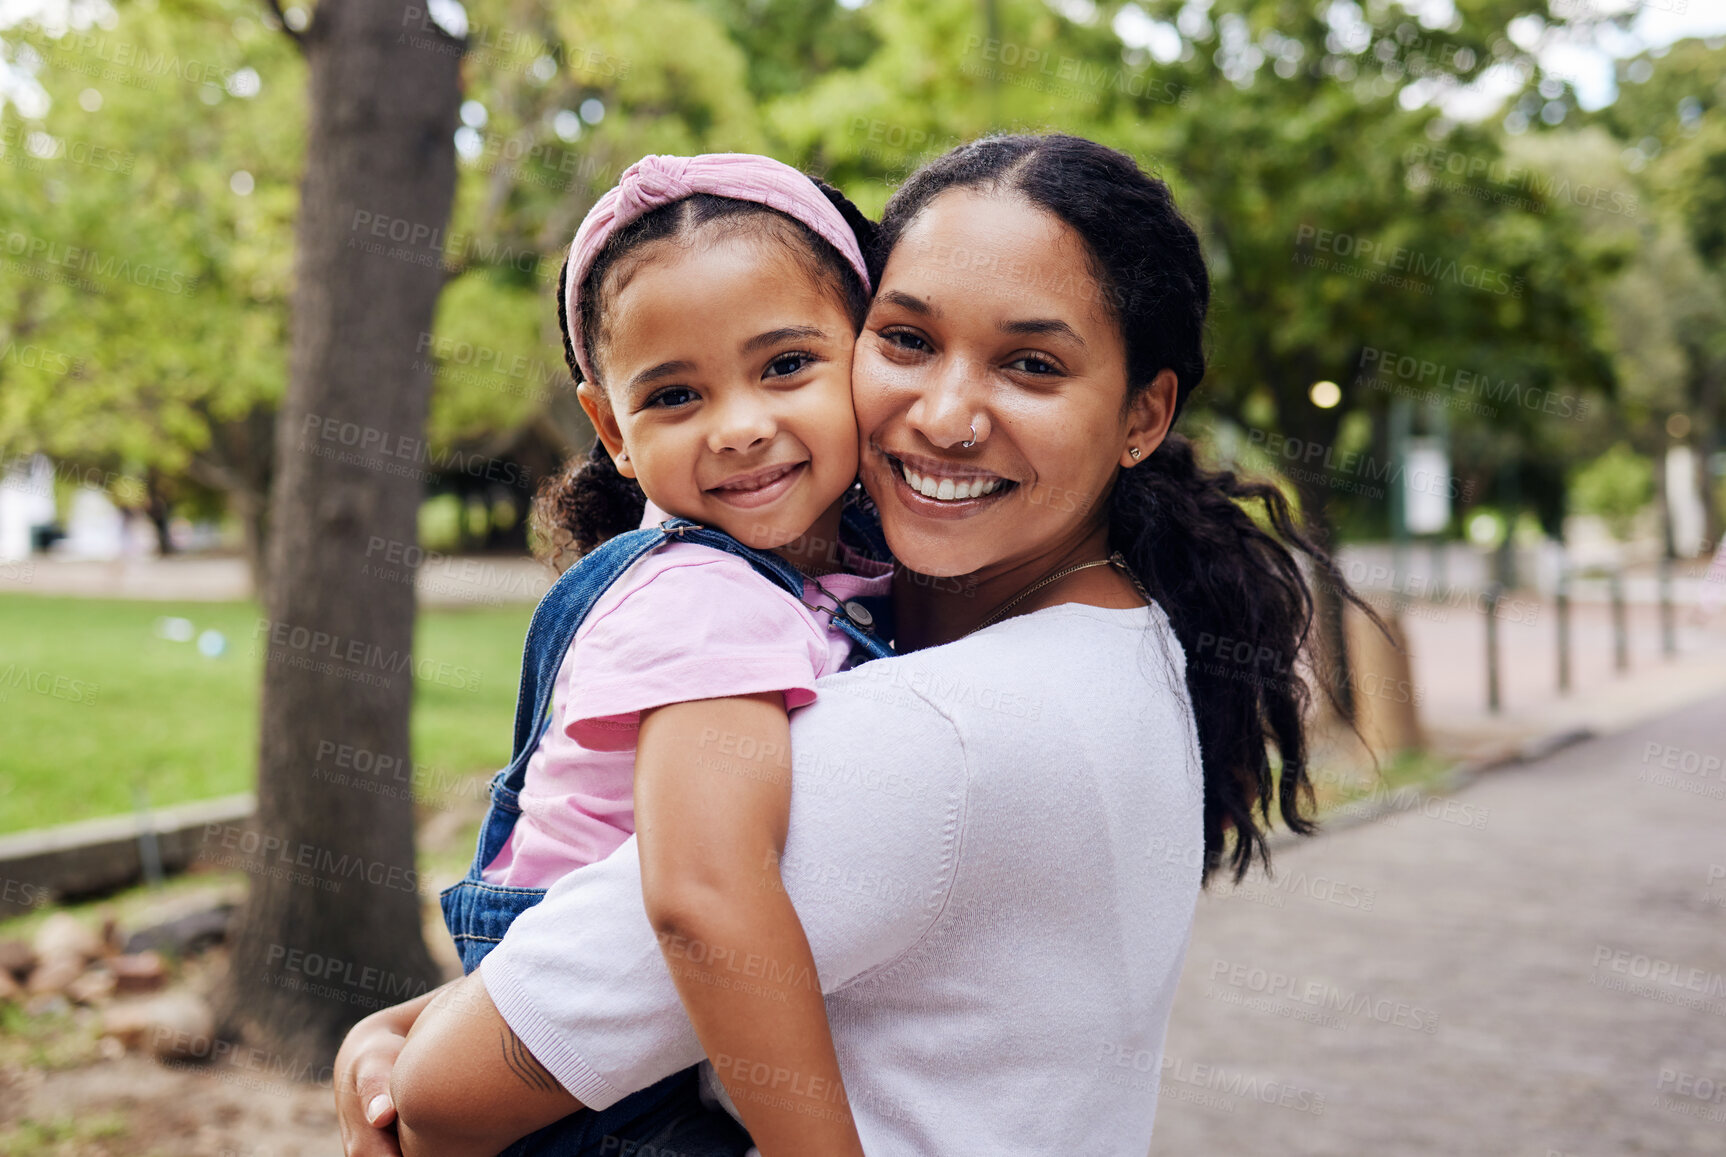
column 687, row 622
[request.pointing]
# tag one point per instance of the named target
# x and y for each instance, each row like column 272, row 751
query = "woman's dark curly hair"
column 1229, row 587
column 589, row 502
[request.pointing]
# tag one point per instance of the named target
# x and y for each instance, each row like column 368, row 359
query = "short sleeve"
column 703, row 625
column 879, row 785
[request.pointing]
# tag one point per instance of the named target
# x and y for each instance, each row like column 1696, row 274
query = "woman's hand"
column 364, row 1108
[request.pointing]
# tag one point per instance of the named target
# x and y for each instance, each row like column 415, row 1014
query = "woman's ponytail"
column 1240, row 606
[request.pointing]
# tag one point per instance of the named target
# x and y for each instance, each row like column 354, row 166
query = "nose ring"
column 973, row 441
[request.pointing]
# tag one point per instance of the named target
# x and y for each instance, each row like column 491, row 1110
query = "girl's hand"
column 364, row 1108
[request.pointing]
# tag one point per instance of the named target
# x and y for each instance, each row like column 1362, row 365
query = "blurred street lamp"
column 1485, row 528
column 1325, row 395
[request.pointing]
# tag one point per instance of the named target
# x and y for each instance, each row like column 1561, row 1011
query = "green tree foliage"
column 1669, row 122
column 1614, row 488
column 787, row 44
column 147, row 243
column 160, row 358
column 1350, row 223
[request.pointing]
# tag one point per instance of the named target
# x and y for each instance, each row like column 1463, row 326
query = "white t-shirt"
column 995, row 850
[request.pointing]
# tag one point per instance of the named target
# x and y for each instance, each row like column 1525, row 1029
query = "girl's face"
column 988, row 318
column 727, row 371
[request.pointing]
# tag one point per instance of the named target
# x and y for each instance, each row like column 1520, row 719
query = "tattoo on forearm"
column 522, row 1063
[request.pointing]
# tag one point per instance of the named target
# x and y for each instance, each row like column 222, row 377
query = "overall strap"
column 560, row 612
column 567, row 604
column 860, row 523
column 787, row 576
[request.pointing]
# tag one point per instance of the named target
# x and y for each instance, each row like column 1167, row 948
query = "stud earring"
column 1134, row 451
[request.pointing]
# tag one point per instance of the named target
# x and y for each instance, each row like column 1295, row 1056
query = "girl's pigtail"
column 583, row 506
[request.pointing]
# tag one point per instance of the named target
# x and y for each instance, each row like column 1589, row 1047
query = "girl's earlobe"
column 598, row 411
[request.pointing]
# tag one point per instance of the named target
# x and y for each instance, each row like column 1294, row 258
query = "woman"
column 997, row 840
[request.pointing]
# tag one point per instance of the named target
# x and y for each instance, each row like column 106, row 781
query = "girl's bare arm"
column 712, row 799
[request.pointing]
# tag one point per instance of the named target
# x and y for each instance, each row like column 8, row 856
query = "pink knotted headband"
column 657, row 180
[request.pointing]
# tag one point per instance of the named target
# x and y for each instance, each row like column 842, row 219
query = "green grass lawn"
column 94, row 704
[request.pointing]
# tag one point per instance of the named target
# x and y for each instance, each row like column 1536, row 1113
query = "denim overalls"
column 479, row 913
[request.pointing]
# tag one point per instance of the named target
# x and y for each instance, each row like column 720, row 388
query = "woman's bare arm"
column 464, row 1084
column 364, row 1109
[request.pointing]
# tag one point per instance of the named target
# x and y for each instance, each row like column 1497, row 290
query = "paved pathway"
column 1535, row 966
column 1447, row 645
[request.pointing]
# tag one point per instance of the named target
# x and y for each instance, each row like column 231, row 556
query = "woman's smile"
column 942, row 488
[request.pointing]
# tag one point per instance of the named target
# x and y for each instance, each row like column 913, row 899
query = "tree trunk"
column 335, row 906
column 240, row 461
column 1331, row 644
column 1318, row 429
column 250, row 506
column 251, row 447
column 1708, row 443
column 159, row 511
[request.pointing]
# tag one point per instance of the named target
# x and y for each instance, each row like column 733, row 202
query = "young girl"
column 709, row 307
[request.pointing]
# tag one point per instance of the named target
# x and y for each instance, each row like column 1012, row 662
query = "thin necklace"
column 1114, row 559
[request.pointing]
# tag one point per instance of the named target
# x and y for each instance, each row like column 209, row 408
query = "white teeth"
column 947, row 490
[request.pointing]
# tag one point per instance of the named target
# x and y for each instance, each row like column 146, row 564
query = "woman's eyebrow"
column 905, row 301
column 1042, row 326
column 784, row 333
